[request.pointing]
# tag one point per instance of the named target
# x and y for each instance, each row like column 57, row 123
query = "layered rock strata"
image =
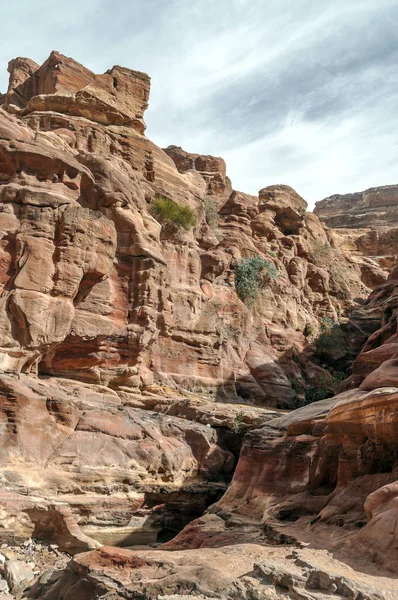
column 96, row 289
column 364, row 223
column 129, row 363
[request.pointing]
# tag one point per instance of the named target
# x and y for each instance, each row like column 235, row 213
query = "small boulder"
column 17, row 572
column 4, row 589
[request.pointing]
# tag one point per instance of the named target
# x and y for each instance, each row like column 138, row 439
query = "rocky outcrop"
column 212, row 169
column 111, row 465
column 95, row 289
column 365, row 224
column 373, row 208
column 132, row 351
column 241, row 571
column 118, row 97
column 332, row 464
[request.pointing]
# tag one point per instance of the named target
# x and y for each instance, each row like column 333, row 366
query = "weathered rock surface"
column 95, row 289
column 365, row 224
column 17, row 573
column 373, row 208
column 110, row 466
column 212, row 169
column 129, row 363
column 243, row 571
column 332, row 463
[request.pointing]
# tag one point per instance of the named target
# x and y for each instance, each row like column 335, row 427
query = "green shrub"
column 211, row 213
column 238, row 422
column 331, row 380
column 321, row 253
column 165, row 210
column 332, row 337
column 314, row 394
column 297, row 386
column 328, row 385
column 228, row 181
column 308, row 330
column 251, row 275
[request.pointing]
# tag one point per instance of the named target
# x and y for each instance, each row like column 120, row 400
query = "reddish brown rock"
column 124, row 300
column 212, row 169
column 375, row 207
column 120, row 334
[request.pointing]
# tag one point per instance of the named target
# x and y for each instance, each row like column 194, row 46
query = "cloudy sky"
column 303, row 92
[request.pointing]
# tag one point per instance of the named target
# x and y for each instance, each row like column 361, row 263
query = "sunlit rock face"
column 365, row 223
column 119, row 332
column 331, row 464
column 96, row 289
column 373, row 208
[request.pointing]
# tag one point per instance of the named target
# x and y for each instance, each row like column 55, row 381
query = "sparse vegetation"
column 331, row 380
column 329, row 384
column 211, row 213
column 308, row 330
column 296, row 385
column 238, row 423
column 314, row 394
column 228, row 180
column 252, row 275
column 166, row 211
column 332, row 337
column 232, row 332
column 321, row 253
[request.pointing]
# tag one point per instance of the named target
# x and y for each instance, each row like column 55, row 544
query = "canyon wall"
column 364, row 222
column 94, row 288
column 132, row 365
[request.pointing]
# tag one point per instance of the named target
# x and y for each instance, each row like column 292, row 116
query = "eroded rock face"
column 95, row 289
column 85, row 448
column 376, row 207
column 243, row 571
column 119, row 332
column 332, row 463
column 118, row 97
column 364, row 224
column 212, row 169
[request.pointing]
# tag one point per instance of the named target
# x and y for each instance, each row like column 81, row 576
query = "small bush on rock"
column 238, row 422
column 321, row 253
column 329, row 384
column 211, row 213
column 331, row 380
column 314, row 394
column 252, row 275
column 308, row 330
column 332, row 337
column 165, row 210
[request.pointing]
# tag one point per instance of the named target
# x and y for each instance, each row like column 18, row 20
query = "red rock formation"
column 96, row 290
column 119, row 332
column 374, row 208
column 212, row 169
column 331, row 463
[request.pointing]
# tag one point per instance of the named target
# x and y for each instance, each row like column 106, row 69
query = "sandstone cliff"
column 373, row 208
column 131, row 359
column 96, row 289
column 364, row 222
